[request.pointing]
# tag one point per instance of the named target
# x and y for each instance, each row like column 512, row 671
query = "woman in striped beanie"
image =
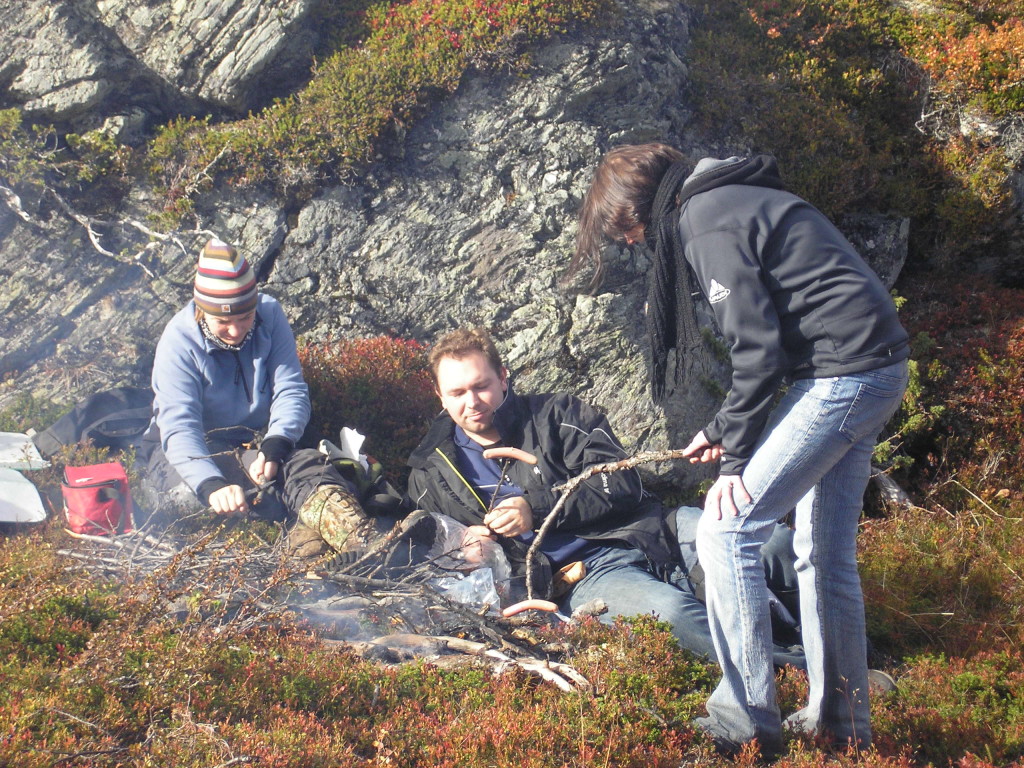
column 230, row 404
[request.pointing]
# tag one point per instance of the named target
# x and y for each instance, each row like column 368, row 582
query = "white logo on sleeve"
column 717, row 292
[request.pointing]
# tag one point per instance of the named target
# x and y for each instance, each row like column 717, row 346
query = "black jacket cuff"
column 276, row 448
column 209, row 487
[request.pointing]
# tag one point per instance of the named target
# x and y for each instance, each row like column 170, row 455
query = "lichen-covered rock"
column 123, row 63
column 222, row 52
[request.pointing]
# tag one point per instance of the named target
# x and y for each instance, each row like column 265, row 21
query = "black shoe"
column 412, row 543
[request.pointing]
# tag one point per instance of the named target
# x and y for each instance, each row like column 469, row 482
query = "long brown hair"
column 619, row 199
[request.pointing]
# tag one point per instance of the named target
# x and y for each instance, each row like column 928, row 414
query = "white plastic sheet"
column 17, row 451
column 19, row 499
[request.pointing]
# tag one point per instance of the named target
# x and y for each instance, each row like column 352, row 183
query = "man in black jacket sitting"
column 611, row 540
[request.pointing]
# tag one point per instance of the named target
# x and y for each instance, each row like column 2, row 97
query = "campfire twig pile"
column 382, row 607
column 388, row 588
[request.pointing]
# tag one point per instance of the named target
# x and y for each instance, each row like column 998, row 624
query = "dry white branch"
column 13, row 202
column 551, row 672
column 82, row 220
column 204, row 175
column 562, row 676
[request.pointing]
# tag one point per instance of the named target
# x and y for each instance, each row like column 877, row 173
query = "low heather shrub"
column 379, row 386
column 969, row 344
column 956, row 711
column 412, row 52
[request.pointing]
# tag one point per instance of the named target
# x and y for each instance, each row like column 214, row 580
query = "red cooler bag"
column 97, row 499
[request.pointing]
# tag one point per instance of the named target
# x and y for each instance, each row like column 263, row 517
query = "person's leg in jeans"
column 621, row 577
column 832, row 604
column 815, row 425
column 825, row 544
column 778, row 559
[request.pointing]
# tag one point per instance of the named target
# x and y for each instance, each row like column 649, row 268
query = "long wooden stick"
column 568, row 487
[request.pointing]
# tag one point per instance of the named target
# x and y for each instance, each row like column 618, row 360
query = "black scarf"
column 671, row 319
column 671, row 307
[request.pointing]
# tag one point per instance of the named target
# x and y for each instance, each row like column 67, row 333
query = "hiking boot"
column 305, row 543
column 336, row 516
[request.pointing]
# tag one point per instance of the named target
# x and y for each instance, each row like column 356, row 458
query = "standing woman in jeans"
column 798, row 307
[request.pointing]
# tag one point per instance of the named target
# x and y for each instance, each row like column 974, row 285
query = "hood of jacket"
column 711, row 173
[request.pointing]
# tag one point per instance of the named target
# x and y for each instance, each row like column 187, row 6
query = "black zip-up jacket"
column 567, row 436
column 790, row 294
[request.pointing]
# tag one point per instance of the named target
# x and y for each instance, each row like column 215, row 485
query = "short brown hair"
column 462, row 342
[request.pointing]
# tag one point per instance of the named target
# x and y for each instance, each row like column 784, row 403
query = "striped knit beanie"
column 225, row 284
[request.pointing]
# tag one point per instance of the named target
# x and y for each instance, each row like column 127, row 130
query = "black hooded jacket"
column 790, row 294
column 567, row 436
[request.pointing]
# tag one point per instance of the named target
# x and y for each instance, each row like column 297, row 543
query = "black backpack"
column 115, row 418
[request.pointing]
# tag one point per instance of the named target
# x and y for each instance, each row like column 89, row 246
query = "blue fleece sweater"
column 199, row 387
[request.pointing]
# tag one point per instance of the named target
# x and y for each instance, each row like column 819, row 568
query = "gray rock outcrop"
column 130, row 64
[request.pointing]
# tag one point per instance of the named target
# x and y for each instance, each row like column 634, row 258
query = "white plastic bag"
column 475, row 589
column 481, row 571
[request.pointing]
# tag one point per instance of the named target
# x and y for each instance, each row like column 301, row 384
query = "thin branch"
column 14, row 203
column 83, row 220
column 978, row 498
column 567, row 488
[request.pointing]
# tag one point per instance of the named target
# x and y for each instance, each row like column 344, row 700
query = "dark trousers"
column 303, row 471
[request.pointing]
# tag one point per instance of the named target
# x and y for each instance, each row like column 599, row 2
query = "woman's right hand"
column 703, row 450
column 229, row 500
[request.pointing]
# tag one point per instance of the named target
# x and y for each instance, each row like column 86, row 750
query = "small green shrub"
column 808, row 82
column 834, row 91
column 380, row 387
column 914, row 423
column 90, row 169
column 975, row 199
column 25, row 411
column 953, row 708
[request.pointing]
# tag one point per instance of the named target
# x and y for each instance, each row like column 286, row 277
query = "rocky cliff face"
column 128, row 64
column 469, row 218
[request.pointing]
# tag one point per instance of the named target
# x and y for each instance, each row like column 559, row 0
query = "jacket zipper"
column 464, row 481
column 240, row 376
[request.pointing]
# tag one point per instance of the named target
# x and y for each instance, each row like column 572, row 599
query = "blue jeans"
column 814, row 455
column 624, row 579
